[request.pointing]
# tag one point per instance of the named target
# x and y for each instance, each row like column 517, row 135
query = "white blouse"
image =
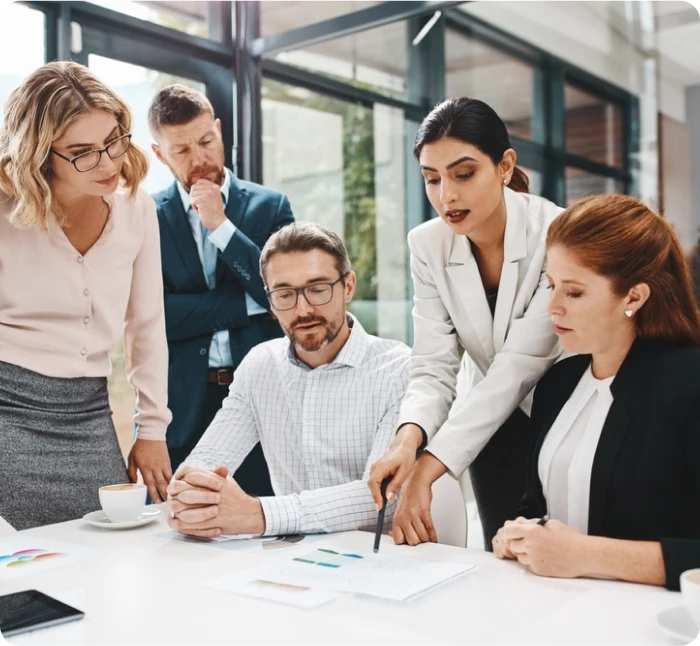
column 567, row 453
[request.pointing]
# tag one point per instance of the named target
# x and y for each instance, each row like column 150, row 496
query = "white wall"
column 676, row 179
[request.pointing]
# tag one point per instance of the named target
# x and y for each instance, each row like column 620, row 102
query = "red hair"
column 618, row 237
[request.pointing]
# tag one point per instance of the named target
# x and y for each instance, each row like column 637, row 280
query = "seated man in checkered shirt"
column 323, row 402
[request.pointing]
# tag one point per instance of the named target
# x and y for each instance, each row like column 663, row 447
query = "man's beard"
column 313, row 344
column 187, row 182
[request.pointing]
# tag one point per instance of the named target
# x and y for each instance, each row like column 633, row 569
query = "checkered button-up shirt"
column 321, row 429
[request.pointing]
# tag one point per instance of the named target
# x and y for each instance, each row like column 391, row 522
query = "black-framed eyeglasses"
column 88, row 160
column 286, row 298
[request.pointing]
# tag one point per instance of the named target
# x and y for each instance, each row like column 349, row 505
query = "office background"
column 321, row 100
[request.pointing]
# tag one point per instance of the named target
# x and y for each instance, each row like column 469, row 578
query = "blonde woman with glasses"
column 79, row 267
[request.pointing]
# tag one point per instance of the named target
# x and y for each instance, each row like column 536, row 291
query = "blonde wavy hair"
column 37, row 113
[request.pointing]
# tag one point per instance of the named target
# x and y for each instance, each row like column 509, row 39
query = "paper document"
column 22, row 553
column 294, row 595
column 397, row 578
column 219, row 539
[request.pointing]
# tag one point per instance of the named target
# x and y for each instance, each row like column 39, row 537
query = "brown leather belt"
column 221, row 376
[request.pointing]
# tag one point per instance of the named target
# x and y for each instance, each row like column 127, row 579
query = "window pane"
column 481, row 72
column 136, row 85
column 373, row 59
column 21, row 47
column 277, row 17
column 348, row 173
column 594, row 127
column 190, row 17
column 580, row 183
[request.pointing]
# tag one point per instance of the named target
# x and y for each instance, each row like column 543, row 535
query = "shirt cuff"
column 252, row 307
column 282, row 515
column 147, row 433
column 222, row 235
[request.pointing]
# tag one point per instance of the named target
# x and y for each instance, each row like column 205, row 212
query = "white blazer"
column 505, row 355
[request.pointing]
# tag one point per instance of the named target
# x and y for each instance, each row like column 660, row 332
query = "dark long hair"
column 619, row 237
column 475, row 123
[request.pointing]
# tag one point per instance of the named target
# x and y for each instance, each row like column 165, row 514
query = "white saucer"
column 677, row 623
column 99, row 519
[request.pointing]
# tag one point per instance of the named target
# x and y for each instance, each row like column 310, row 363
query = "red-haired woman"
column 617, row 463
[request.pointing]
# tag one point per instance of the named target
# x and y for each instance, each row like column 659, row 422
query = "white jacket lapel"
column 515, row 249
column 464, row 274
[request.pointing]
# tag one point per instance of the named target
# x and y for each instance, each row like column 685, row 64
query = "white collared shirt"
column 321, row 429
column 220, row 349
column 566, row 457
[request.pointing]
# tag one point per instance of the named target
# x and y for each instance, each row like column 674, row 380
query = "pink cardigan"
column 62, row 312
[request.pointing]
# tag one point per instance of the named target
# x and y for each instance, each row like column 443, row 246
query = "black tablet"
column 30, row 609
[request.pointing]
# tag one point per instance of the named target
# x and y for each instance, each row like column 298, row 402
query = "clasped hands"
column 553, row 549
column 209, row 503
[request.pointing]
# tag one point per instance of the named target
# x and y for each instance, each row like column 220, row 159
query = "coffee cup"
column 690, row 588
column 123, row 502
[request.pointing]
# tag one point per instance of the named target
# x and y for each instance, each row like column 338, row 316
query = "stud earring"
column 505, row 181
column 628, row 313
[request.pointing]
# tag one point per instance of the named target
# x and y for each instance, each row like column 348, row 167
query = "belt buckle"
column 218, row 377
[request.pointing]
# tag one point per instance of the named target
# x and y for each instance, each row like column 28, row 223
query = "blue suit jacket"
column 193, row 312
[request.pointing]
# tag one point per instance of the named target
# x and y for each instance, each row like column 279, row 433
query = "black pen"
column 543, row 520
column 380, row 518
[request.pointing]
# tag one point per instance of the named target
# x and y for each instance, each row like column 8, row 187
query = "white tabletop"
column 145, row 589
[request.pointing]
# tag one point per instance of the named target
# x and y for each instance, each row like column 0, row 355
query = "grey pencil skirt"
column 57, row 446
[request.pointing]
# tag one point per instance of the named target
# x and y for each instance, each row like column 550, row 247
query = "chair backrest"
column 5, row 527
column 449, row 512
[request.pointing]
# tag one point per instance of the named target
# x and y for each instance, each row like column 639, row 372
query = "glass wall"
column 277, row 17
column 594, row 131
column 570, row 139
column 342, row 164
column 580, row 183
column 476, row 70
column 594, row 127
column 375, row 59
column 21, row 47
column 188, row 17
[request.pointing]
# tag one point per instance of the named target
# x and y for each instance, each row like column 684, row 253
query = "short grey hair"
column 306, row 236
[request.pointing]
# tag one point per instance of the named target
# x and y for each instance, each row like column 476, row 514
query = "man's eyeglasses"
column 286, row 298
column 88, row 160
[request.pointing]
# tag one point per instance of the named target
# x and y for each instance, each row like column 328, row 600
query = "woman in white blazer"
column 480, row 286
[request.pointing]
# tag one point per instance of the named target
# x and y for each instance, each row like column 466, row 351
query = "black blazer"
column 193, row 312
column 645, row 480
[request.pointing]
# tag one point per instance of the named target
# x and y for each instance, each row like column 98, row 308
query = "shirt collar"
column 351, row 354
column 185, row 196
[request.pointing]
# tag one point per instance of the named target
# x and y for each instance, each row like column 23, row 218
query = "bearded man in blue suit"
column 212, row 228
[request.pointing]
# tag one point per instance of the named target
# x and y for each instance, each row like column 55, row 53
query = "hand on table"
column 553, row 549
column 210, row 503
column 501, row 545
column 413, row 523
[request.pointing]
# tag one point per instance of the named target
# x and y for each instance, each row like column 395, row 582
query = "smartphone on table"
column 28, row 610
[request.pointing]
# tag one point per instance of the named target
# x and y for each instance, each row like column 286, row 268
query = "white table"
column 145, row 589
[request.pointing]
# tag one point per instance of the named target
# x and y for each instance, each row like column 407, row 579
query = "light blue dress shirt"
column 209, row 244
